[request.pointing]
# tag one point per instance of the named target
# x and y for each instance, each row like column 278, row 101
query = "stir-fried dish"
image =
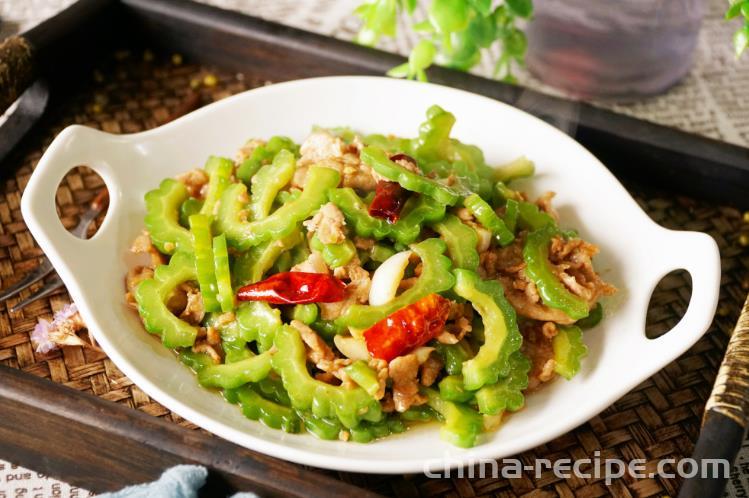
column 355, row 285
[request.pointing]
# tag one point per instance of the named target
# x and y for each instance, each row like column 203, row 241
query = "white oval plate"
column 635, row 254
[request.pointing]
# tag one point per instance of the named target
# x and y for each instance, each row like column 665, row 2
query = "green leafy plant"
column 741, row 36
column 454, row 34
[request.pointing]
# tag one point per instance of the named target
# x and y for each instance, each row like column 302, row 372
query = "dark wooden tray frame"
column 47, row 426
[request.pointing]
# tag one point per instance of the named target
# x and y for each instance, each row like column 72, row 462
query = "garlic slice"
column 352, row 348
column 387, row 277
column 484, row 238
column 422, row 353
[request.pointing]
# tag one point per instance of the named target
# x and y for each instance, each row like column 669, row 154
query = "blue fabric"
column 181, row 481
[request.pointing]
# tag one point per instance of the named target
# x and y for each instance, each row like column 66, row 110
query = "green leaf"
column 515, row 44
column 382, row 17
column 463, row 53
column 521, row 8
column 483, row 7
column 737, row 7
column 741, row 40
column 448, row 16
column 379, row 19
column 423, row 27
column 500, row 66
column 400, row 71
column 367, row 37
column 408, row 5
column 422, row 55
column 483, row 31
column 734, row 10
column 502, row 18
column 458, row 30
column 362, row 10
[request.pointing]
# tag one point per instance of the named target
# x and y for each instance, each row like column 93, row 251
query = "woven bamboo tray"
column 659, row 419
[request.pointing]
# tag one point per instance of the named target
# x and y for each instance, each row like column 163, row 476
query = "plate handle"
column 697, row 253
column 111, row 157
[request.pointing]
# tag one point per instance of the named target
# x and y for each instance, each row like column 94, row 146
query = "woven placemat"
column 659, row 419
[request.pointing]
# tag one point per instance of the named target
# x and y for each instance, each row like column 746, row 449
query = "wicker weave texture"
column 659, row 419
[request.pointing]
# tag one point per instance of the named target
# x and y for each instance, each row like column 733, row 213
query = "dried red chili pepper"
column 295, row 287
column 408, row 328
column 400, row 157
column 390, row 196
column 388, row 201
